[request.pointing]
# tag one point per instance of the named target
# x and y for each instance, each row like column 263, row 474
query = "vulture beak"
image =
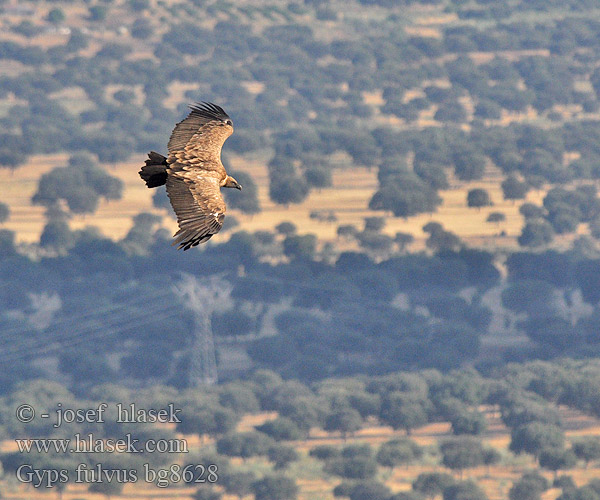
column 232, row 183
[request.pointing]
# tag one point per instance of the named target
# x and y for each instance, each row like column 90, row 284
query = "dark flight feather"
column 209, row 110
column 199, row 206
column 154, row 172
column 201, row 114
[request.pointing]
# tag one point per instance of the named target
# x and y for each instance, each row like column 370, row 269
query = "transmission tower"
column 203, row 299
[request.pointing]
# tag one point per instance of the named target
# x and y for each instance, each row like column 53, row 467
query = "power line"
column 85, row 325
column 91, row 313
column 22, row 351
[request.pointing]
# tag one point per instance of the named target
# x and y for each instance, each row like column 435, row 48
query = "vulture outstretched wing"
column 201, row 114
column 199, row 206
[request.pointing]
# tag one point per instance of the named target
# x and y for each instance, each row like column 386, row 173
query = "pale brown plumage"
column 194, row 174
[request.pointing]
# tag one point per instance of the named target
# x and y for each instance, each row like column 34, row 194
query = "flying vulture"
column 194, row 174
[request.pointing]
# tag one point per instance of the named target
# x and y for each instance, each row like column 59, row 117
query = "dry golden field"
column 348, row 199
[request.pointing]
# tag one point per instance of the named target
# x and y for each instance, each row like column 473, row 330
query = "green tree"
column 300, row 247
column 491, row 456
column 521, row 411
column 439, row 239
column 536, row 234
column 212, row 420
column 80, row 186
column 531, row 296
column 531, row 211
column 245, row 445
column 556, row 459
column 343, row 420
column 357, row 450
column 281, row 429
column 488, row 110
column 583, row 493
column 468, row 422
column 375, row 224
column 405, row 194
column 468, row 163
column 407, row 495
column 57, row 235
column 56, row 15
column 305, row 411
column 7, row 243
column 529, row 487
column 368, row 490
column 275, row 487
column 524, row 490
column 138, row 6
column 98, row 12
column 286, row 228
column 462, row 453
column 77, row 41
column 347, row 231
column 357, row 467
column 160, row 199
column 81, row 364
column 124, row 96
column 107, row 488
column 238, row 397
column 587, row 449
column 282, row 455
column 564, row 482
column 10, row 158
column 464, row 490
column 141, row 29
column 451, row 112
column 496, row 217
column 478, row 198
column 374, row 243
column 286, row 189
column 432, row 484
column 534, row 437
column 237, row 483
column 318, row 176
column 402, row 411
column 403, row 240
column 325, row 452
column 398, row 452
column 513, row 188
column 207, row 492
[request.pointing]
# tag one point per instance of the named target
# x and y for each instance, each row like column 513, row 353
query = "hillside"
column 404, row 300
column 313, row 452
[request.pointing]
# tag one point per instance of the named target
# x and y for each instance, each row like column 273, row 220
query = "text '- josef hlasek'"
column 126, row 414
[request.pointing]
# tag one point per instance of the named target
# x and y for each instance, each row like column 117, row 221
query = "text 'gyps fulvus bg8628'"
column 194, row 174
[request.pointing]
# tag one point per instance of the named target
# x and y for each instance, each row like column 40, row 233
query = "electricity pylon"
column 203, row 299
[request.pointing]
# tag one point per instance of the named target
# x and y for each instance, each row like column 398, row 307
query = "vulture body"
column 194, row 174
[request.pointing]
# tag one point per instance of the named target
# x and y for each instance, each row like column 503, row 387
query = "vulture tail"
column 154, row 172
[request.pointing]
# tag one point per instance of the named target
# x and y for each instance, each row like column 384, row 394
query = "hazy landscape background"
column 403, row 302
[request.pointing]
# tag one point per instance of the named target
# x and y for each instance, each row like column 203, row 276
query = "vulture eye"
column 229, row 122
